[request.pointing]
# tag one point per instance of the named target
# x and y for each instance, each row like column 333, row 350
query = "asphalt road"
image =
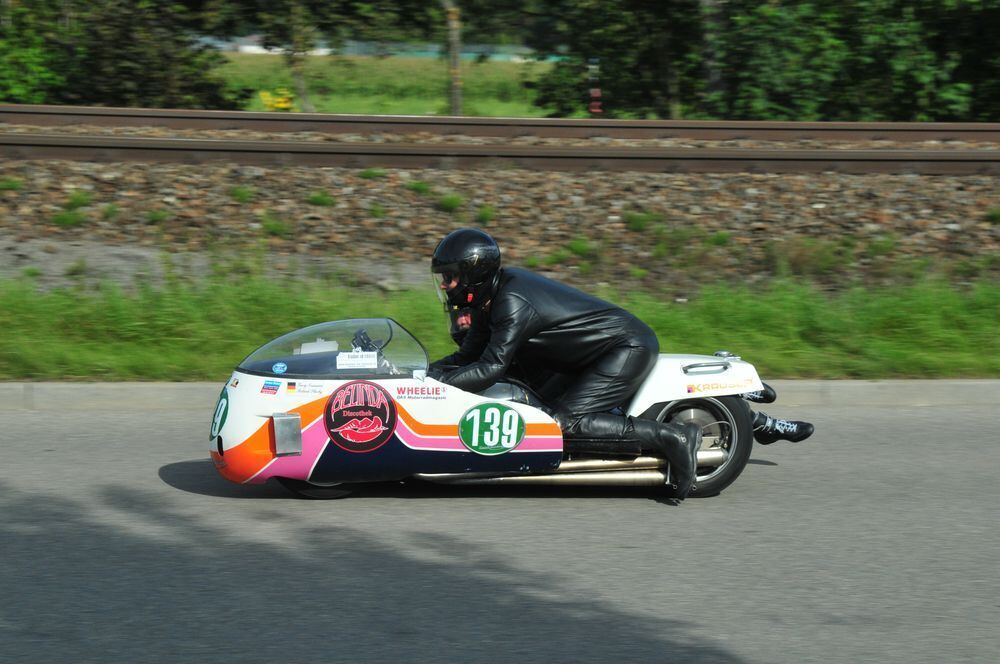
column 876, row 540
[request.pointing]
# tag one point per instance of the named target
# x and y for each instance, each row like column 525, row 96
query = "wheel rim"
column 718, row 427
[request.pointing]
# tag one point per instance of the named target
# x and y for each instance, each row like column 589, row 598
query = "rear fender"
column 688, row 376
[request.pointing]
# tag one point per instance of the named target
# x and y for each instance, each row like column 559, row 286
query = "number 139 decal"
column 491, row 428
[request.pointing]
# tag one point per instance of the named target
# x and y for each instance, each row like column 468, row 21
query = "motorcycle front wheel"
column 304, row 489
column 727, row 431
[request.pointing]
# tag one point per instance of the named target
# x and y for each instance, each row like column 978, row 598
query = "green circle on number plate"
column 491, row 428
column 221, row 410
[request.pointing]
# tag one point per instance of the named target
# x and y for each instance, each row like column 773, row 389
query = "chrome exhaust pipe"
column 715, row 456
column 610, row 478
column 641, row 471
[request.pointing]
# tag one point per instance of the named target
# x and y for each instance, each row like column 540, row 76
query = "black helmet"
column 471, row 257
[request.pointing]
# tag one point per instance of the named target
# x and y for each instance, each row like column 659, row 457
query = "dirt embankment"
column 70, row 220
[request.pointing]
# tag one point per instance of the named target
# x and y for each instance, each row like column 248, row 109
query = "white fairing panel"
column 687, row 376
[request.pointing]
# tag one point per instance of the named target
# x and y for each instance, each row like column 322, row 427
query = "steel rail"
column 448, row 156
column 52, row 116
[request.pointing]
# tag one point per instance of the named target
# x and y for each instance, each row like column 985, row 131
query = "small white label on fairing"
column 357, row 360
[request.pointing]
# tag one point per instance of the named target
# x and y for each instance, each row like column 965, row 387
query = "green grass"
column 376, row 210
column 157, row 216
column 450, row 203
column 419, row 187
column 69, row 218
column 77, row 199
column 582, row 247
column 110, row 211
column 10, row 184
column 189, row 330
column 273, row 226
column 391, row 85
column 485, row 215
column 993, row 216
column 640, row 221
column 242, row 194
column 321, row 199
column 372, row 173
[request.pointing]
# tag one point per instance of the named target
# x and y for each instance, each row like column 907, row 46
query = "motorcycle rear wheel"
column 726, row 424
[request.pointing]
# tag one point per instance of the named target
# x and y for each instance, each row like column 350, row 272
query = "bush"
column 582, row 247
column 639, row 221
column 993, row 216
column 485, row 215
column 242, row 194
column 273, row 226
column 419, row 187
column 719, row 239
column 69, row 218
column 157, row 216
column 77, row 200
column 109, row 212
column 321, row 199
column 450, row 203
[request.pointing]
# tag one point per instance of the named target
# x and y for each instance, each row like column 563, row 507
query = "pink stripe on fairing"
column 314, row 439
column 417, row 442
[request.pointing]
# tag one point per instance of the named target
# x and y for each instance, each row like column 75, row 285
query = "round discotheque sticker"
column 491, row 428
column 360, row 416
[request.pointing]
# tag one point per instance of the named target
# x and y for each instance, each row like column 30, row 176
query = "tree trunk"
column 454, row 51
column 303, row 40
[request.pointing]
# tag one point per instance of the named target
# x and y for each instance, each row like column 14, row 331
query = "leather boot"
column 679, row 444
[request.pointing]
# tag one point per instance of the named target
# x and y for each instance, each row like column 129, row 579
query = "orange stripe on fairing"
column 531, row 429
column 249, row 457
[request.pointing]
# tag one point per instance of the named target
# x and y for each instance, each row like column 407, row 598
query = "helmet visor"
column 446, row 279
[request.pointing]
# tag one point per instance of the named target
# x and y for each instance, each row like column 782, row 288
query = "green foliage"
column 376, row 210
column 107, row 52
column 242, row 194
column 69, row 218
column 637, row 272
column 109, row 212
column 10, row 184
column 640, row 221
column 372, row 173
column 719, row 239
column 582, row 247
column 31, row 272
column 558, row 256
column 157, row 216
column 419, row 187
column 485, row 215
column 274, row 226
column 532, row 262
column 321, row 199
column 881, row 246
column 993, row 216
column 450, row 203
column 77, row 199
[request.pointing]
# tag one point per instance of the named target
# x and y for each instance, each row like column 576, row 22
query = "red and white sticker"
column 360, row 416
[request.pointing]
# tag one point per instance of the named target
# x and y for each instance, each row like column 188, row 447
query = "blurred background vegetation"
column 924, row 60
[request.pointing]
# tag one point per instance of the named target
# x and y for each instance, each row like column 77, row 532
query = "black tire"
column 726, row 424
column 304, row 489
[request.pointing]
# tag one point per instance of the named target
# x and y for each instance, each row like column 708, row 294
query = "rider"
column 505, row 315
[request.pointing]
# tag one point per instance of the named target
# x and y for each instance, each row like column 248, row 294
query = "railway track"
column 456, row 155
column 448, row 156
column 55, row 116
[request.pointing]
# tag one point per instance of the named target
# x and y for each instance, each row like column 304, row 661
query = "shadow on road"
column 123, row 576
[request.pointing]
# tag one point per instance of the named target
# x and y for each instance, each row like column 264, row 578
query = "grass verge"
column 200, row 331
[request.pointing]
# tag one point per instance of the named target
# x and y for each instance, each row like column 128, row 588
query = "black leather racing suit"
column 541, row 323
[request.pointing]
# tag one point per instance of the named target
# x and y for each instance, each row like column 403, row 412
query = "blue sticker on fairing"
column 279, row 368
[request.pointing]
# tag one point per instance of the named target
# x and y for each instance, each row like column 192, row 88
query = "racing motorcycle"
column 329, row 407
